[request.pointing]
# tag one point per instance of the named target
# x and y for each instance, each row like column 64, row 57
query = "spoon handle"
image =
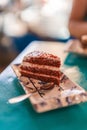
column 19, row 98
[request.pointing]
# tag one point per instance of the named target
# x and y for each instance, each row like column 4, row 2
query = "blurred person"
column 78, row 19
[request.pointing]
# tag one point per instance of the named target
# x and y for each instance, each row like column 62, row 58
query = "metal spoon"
column 19, row 98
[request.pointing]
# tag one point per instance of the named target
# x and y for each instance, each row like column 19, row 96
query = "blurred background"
column 23, row 21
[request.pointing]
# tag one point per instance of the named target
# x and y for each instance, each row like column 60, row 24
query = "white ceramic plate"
column 68, row 93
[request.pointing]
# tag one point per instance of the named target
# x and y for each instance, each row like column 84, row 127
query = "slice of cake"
column 84, row 41
column 42, row 66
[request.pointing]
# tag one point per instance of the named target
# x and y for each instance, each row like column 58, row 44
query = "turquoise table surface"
column 21, row 116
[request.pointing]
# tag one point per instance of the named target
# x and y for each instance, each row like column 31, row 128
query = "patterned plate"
column 53, row 96
column 74, row 46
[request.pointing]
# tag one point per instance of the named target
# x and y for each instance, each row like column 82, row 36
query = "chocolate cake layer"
column 42, row 66
column 42, row 58
column 40, row 69
column 42, row 77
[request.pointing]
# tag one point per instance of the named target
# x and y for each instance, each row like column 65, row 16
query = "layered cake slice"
column 42, row 66
column 84, row 41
